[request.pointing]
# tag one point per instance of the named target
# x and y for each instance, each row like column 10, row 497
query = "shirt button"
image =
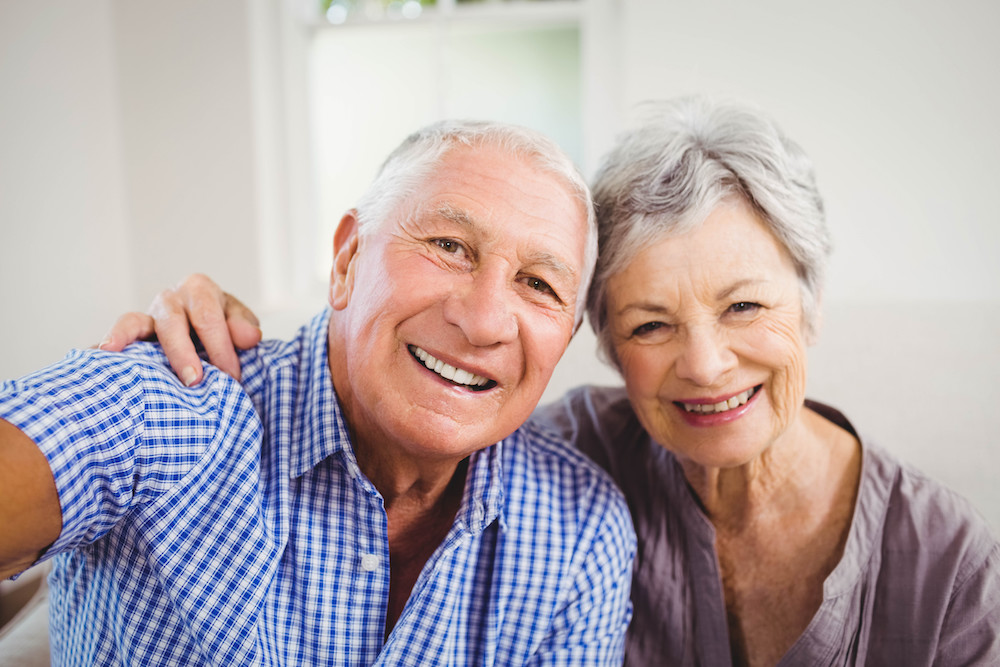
column 369, row 562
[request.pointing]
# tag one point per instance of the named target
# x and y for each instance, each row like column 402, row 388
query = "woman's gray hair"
column 665, row 176
column 414, row 160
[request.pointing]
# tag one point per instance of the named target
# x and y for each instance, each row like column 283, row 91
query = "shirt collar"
column 483, row 500
column 320, row 428
column 322, row 431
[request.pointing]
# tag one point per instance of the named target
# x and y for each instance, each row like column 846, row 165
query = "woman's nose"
column 706, row 356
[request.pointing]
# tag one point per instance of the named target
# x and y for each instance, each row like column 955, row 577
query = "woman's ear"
column 345, row 249
column 814, row 322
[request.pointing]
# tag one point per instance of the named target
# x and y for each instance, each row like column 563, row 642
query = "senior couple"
column 369, row 492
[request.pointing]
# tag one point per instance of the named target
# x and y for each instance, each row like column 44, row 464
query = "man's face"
column 452, row 314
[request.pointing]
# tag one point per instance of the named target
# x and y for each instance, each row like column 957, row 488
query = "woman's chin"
column 720, row 455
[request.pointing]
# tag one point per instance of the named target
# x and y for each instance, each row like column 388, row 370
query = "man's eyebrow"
column 457, row 215
column 552, row 262
column 462, row 218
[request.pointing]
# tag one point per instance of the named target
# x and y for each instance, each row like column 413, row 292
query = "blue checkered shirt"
column 231, row 525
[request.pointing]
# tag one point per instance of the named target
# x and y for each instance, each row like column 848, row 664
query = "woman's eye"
column 647, row 328
column 744, row 307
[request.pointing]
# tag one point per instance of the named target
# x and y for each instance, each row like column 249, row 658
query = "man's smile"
column 454, row 375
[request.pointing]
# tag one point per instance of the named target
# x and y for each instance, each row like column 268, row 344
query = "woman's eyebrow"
column 739, row 284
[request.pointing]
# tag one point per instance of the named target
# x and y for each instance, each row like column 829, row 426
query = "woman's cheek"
column 785, row 352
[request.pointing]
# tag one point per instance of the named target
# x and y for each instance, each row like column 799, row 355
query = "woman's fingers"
column 197, row 310
column 129, row 328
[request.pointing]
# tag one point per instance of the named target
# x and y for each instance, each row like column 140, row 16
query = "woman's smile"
column 711, row 412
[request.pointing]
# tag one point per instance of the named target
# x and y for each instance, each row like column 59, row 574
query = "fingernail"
column 104, row 341
column 189, row 376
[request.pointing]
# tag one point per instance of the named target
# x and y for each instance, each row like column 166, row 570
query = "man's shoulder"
column 540, row 445
column 162, row 387
column 283, row 361
column 89, row 376
column 598, row 421
column 535, row 456
column 269, row 360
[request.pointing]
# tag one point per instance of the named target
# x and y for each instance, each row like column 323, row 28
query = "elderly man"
column 366, row 494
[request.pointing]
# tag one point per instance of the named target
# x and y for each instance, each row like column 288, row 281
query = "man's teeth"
column 721, row 406
column 447, row 371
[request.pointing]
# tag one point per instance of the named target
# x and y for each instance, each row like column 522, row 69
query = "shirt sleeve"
column 118, row 430
column 591, row 627
column 970, row 634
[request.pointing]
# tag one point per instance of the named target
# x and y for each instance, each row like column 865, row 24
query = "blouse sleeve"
column 970, row 634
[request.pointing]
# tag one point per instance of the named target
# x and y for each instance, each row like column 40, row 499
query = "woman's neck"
column 808, row 466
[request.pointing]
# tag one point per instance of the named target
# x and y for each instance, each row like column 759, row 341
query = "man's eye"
column 448, row 245
column 540, row 285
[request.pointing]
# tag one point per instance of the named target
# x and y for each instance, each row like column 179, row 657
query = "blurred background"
column 141, row 141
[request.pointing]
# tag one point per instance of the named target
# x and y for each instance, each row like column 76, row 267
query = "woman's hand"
column 195, row 309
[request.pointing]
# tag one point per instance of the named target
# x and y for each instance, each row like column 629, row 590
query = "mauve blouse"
column 918, row 584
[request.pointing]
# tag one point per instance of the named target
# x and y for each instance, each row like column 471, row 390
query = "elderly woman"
column 769, row 530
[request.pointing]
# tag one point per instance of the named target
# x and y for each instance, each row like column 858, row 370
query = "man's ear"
column 345, row 249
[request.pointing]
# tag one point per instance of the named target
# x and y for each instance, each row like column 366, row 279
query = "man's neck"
column 408, row 479
column 407, row 485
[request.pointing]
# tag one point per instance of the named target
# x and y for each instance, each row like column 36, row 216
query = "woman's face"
column 708, row 329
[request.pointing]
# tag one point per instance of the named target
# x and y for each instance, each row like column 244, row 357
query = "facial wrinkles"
column 492, row 250
column 787, row 390
column 534, row 259
column 507, row 217
column 488, row 263
column 689, row 282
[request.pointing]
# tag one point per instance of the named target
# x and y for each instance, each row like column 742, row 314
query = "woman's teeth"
column 721, row 406
column 447, row 371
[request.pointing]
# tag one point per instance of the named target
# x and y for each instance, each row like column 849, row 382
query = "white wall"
column 895, row 101
column 125, row 163
column 65, row 267
column 130, row 156
column 187, row 131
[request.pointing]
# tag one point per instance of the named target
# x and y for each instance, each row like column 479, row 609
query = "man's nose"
column 706, row 356
column 484, row 309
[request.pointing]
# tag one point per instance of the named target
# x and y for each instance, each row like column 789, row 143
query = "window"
column 376, row 77
column 334, row 97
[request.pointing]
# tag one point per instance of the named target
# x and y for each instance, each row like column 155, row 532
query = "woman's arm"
column 196, row 308
column 971, row 631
